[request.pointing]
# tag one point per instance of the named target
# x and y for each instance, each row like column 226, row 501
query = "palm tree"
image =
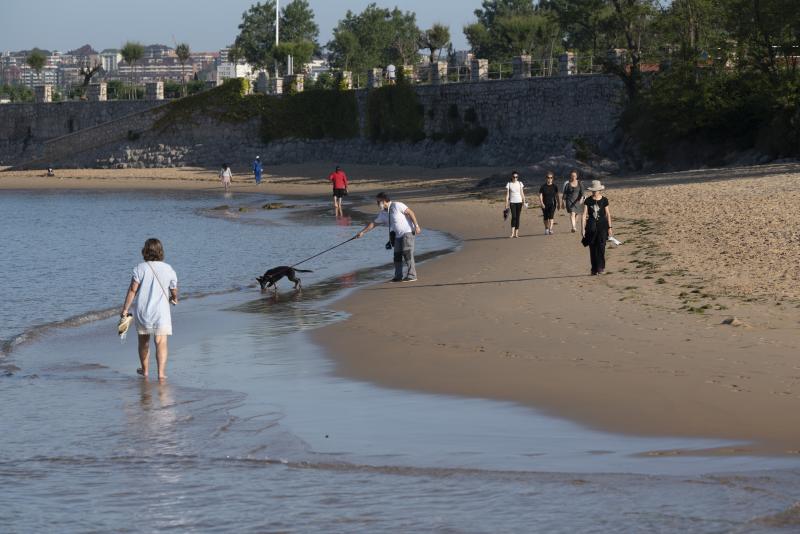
column 183, row 52
column 436, row 39
column 131, row 53
column 36, row 60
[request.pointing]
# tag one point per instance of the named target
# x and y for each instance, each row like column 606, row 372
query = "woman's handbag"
column 160, row 284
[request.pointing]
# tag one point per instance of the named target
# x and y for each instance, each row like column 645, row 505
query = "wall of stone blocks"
column 526, row 119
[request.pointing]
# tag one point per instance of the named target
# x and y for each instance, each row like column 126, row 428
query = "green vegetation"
column 435, row 39
column 314, row 114
column 184, row 53
column 132, row 52
column 16, row 93
column 374, row 38
column 298, row 34
column 310, row 115
column 174, row 89
column 395, row 114
column 36, row 60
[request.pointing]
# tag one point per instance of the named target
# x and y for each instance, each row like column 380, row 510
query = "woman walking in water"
column 225, row 176
column 572, row 199
column 155, row 286
column 515, row 198
column 596, row 226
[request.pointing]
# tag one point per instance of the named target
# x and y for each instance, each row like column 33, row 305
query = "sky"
column 205, row 24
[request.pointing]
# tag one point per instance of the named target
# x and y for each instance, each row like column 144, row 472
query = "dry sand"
column 642, row 350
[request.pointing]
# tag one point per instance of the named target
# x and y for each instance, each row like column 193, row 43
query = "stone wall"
column 526, row 120
column 25, row 127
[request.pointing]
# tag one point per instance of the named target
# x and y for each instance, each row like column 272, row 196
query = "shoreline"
column 509, row 320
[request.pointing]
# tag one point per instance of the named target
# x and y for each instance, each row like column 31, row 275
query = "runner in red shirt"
column 339, row 180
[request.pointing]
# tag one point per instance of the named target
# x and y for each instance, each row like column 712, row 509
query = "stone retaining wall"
column 24, row 127
column 526, row 120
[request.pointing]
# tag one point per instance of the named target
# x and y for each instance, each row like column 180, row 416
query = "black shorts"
column 339, row 193
column 549, row 211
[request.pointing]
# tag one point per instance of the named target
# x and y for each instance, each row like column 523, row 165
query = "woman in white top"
column 155, row 286
column 225, row 176
column 515, row 198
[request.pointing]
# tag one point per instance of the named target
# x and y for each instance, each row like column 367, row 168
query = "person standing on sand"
column 596, row 226
column 151, row 281
column 548, row 199
column 258, row 168
column 515, row 198
column 403, row 222
column 572, row 199
column 225, row 176
column 339, row 181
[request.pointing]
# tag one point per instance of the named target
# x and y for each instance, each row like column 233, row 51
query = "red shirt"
column 339, row 179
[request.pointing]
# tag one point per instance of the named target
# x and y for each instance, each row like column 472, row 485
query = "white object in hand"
column 614, row 240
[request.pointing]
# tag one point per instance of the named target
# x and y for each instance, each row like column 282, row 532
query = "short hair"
column 550, row 175
column 514, row 172
column 338, row 168
column 153, row 250
column 382, row 197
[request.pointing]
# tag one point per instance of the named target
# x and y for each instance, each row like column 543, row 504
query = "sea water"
column 253, row 432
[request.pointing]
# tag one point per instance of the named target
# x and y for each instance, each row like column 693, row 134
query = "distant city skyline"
column 205, row 25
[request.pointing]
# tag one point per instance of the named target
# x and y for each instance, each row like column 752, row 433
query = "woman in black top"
column 596, row 226
column 548, row 198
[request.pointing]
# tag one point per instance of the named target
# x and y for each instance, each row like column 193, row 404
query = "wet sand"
column 642, row 350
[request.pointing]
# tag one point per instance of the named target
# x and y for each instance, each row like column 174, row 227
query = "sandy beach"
column 642, row 350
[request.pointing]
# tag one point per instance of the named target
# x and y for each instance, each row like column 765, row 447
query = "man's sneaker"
column 396, row 280
column 410, row 279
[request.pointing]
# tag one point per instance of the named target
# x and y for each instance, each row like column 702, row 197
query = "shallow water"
column 253, row 432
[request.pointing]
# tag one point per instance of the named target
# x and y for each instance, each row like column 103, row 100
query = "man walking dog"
column 403, row 222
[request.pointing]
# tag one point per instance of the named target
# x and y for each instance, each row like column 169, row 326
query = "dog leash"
column 324, row 251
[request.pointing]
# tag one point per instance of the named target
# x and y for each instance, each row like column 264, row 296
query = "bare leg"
column 144, row 354
column 161, row 356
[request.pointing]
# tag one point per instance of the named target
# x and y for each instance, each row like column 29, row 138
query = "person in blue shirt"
column 258, row 169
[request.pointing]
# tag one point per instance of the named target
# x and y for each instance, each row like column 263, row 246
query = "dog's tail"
column 303, row 271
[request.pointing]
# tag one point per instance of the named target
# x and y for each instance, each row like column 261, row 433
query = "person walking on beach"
column 515, row 199
column 339, row 181
column 548, row 199
column 596, row 226
column 225, row 176
column 258, row 168
column 403, row 222
column 154, row 285
column 572, row 199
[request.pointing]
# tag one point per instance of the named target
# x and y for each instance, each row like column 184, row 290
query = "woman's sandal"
column 140, row 371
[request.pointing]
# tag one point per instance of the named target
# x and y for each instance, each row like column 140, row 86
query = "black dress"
column 597, row 232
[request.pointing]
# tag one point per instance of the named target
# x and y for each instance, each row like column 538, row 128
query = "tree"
column 373, row 38
column 256, row 39
column 405, row 37
column 580, row 21
column 511, row 27
column 88, row 70
column 131, row 53
column 767, row 33
column 628, row 23
column 36, row 60
column 183, row 52
column 435, row 39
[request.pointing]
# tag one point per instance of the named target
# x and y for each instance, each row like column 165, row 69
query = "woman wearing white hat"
column 596, row 226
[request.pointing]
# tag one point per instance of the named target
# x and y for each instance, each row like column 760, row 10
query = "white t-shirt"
column 225, row 175
column 390, row 71
column 152, row 305
column 515, row 192
column 398, row 221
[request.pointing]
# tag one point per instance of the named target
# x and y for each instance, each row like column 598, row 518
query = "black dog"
column 272, row 276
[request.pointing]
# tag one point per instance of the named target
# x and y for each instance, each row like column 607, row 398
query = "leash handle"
column 323, row 252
